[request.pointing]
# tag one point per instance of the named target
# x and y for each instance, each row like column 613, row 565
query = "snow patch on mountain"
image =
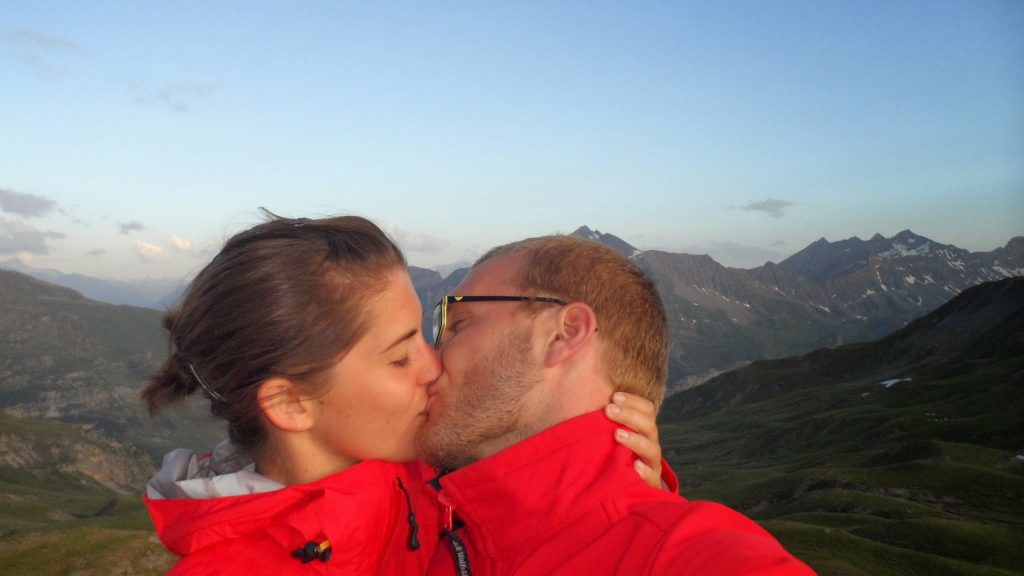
column 1008, row 272
column 889, row 383
column 901, row 250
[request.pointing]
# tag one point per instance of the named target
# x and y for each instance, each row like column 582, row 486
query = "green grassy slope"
column 57, row 519
column 920, row 477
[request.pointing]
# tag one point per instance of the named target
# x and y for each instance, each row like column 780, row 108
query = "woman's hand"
column 638, row 415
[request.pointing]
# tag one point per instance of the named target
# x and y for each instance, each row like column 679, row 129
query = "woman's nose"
column 431, row 365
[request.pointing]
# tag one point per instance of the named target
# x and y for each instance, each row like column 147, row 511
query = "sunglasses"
column 441, row 309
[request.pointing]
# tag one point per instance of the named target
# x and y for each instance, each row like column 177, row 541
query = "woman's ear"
column 283, row 405
column 576, row 327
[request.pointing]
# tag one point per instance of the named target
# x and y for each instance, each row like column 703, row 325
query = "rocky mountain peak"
column 609, row 240
column 908, row 235
column 906, row 243
column 585, row 232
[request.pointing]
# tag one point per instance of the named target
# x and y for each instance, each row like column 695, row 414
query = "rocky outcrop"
column 54, row 451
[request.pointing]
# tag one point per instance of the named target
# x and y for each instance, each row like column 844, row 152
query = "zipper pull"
column 313, row 551
column 447, row 513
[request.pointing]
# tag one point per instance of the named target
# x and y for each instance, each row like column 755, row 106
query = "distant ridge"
column 158, row 294
column 825, row 295
column 823, row 260
column 983, row 324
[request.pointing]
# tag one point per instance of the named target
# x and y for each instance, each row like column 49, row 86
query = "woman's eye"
column 401, row 362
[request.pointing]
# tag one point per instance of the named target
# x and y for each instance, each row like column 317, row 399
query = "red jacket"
column 568, row 502
column 361, row 511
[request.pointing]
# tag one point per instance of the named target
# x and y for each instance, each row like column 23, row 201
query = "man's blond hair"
column 630, row 314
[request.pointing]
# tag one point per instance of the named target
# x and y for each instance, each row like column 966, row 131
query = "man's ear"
column 283, row 405
column 577, row 325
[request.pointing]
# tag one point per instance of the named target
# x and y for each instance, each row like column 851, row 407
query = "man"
column 534, row 341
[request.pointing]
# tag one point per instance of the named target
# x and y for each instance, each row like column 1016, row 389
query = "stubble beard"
column 482, row 415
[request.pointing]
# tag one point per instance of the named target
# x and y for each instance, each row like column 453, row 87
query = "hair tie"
column 209, row 391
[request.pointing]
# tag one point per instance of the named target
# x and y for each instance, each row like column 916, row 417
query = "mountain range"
column 65, row 357
column 827, row 294
column 157, row 293
column 850, row 453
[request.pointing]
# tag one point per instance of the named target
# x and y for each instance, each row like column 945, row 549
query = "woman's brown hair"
column 286, row 299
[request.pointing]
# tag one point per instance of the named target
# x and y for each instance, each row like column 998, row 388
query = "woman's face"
column 376, row 399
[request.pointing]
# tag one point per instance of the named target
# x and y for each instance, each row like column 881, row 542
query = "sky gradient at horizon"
column 138, row 136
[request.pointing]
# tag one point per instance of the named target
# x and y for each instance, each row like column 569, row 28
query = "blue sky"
column 137, row 136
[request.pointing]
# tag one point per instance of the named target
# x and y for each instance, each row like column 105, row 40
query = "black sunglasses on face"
column 441, row 308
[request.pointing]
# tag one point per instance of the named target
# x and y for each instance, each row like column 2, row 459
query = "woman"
column 305, row 335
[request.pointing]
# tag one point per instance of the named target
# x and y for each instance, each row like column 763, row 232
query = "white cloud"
column 17, row 236
column 133, row 226
column 150, row 252
column 771, row 206
column 27, row 205
column 179, row 243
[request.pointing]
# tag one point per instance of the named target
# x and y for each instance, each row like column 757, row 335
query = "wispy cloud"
column 45, row 41
column 150, row 252
column 96, row 252
column 27, row 205
column 17, row 236
column 413, row 242
column 179, row 243
column 176, row 97
column 133, row 226
column 775, row 208
column 40, row 52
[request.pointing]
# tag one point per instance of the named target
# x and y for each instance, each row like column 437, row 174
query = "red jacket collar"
column 544, row 481
column 356, row 508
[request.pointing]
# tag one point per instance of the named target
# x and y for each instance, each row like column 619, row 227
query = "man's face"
column 490, row 364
